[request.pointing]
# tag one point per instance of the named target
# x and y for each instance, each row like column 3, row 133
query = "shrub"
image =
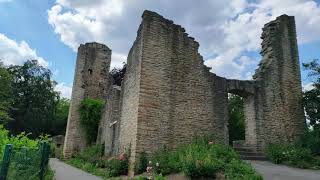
column 201, row 159
column 142, row 163
column 311, row 140
column 167, row 161
column 91, row 154
column 25, row 157
column 90, row 115
column 292, row 155
column 91, row 160
column 237, row 169
column 116, row 167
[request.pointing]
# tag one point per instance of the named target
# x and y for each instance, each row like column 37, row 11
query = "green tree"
column 34, row 99
column 311, row 98
column 60, row 117
column 5, row 94
column 236, row 118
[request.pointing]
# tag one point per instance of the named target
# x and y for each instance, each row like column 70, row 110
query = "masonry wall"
column 108, row 133
column 279, row 110
column 90, row 81
column 130, row 90
column 173, row 96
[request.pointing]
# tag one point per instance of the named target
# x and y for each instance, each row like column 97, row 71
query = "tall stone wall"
column 90, row 81
column 279, row 110
column 108, row 132
column 169, row 96
column 130, row 90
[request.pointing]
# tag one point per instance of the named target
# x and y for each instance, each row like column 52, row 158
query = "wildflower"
column 122, row 156
column 157, row 164
column 210, row 142
column 149, row 170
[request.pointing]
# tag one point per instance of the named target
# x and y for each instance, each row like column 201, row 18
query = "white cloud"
column 117, row 60
column 241, row 34
column 12, row 52
column 64, row 89
column 308, row 86
column 225, row 30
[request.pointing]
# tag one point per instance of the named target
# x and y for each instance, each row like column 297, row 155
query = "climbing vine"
column 90, row 115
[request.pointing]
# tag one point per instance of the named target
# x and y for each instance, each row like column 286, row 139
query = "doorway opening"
column 236, row 121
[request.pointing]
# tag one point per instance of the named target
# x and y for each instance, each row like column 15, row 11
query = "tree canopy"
column 28, row 101
column 311, row 98
column 5, row 94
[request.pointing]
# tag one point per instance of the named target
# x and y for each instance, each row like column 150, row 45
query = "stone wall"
column 90, row 81
column 280, row 116
column 108, row 132
column 173, row 96
column 130, row 90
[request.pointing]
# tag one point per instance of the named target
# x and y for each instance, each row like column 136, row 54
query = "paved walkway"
column 272, row 171
column 64, row 171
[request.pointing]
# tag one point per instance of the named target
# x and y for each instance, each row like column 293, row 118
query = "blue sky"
column 228, row 33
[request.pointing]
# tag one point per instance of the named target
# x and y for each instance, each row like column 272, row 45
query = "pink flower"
column 122, row 156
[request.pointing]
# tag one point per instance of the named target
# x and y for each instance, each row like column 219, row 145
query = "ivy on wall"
column 90, row 115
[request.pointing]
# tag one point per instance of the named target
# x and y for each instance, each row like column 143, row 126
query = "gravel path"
column 64, row 171
column 272, row 171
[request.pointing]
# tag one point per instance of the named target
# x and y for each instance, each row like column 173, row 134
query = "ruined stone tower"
column 91, row 80
column 168, row 96
column 279, row 111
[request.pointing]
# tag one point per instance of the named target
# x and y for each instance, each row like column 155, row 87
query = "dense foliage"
column 236, row 118
column 34, row 98
column 311, row 140
column 90, row 115
column 91, row 160
column 28, row 101
column 60, row 119
column 203, row 159
column 5, row 94
column 312, row 97
column 25, row 157
column 292, row 155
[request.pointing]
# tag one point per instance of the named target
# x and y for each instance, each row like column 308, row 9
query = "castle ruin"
column 168, row 96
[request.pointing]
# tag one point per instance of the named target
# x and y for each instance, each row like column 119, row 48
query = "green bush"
column 201, row 159
column 116, row 167
column 292, row 155
column 90, row 115
column 142, row 163
column 91, row 154
column 168, row 162
column 26, row 156
column 91, row 160
column 311, row 140
column 237, row 170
